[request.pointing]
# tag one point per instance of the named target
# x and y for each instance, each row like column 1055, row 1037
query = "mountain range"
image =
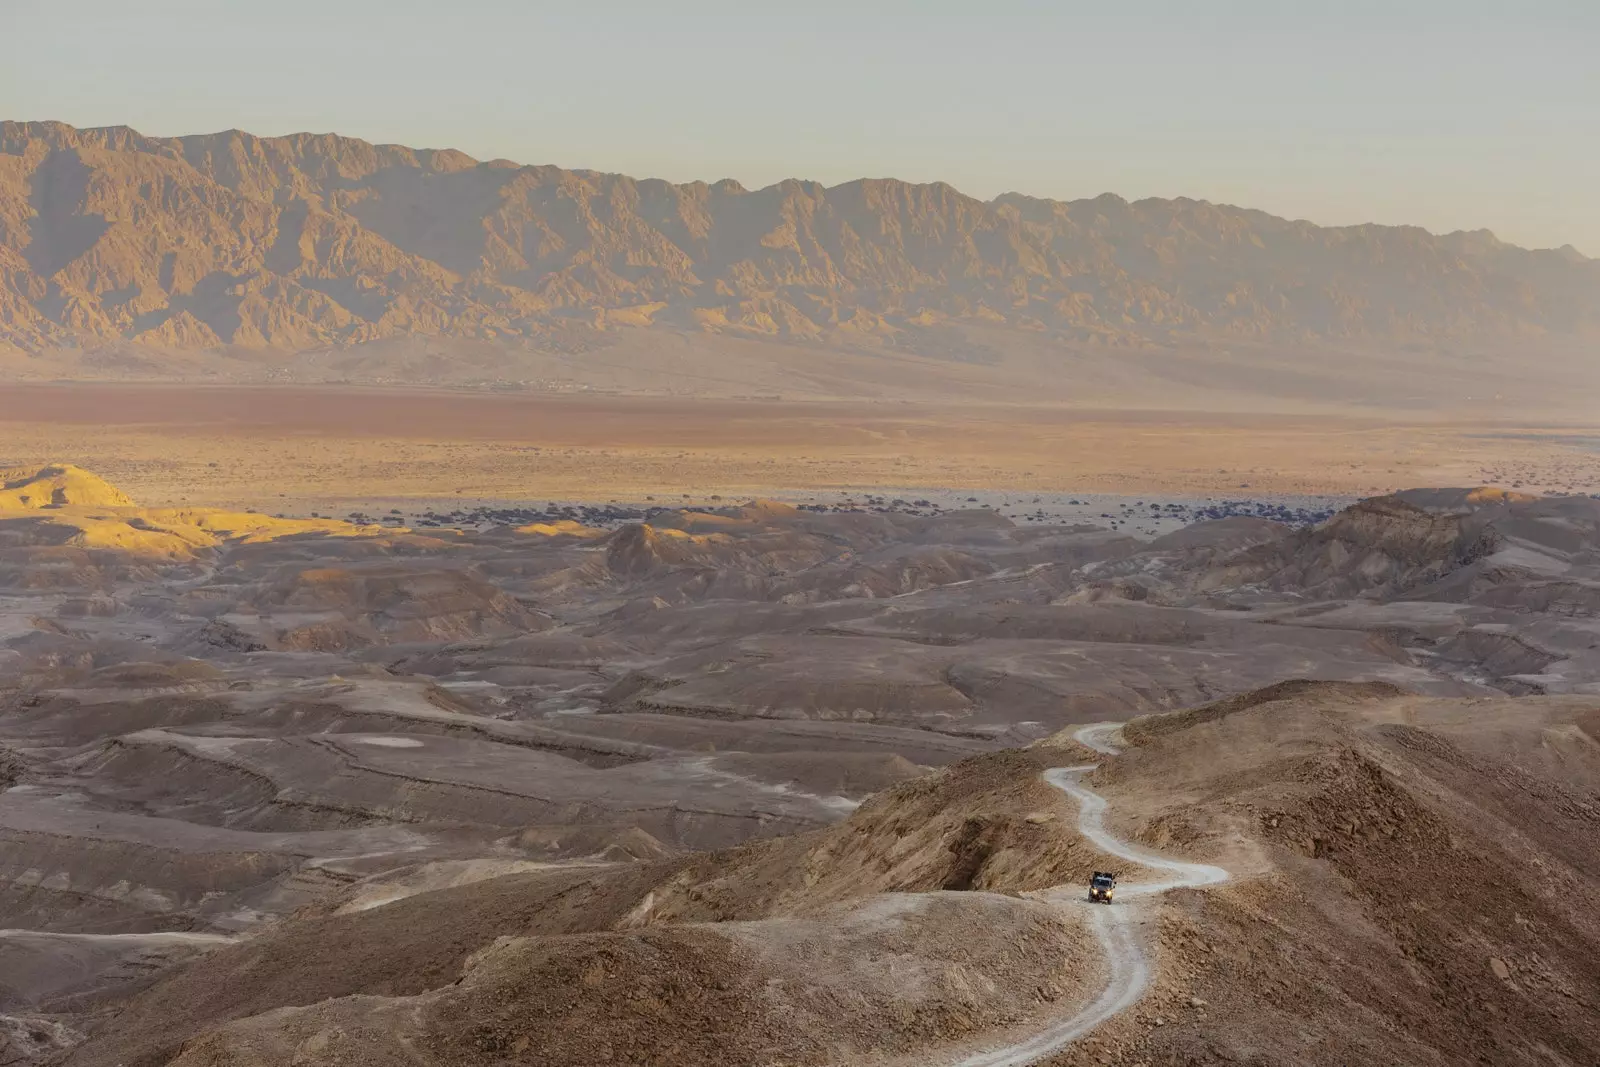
column 231, row 241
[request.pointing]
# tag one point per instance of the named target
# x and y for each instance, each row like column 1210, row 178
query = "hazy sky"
column 1450, row 114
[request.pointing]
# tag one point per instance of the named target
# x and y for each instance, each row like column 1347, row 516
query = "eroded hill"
column 759, row 782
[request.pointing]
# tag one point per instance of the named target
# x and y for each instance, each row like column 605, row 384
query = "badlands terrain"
column 747, row 784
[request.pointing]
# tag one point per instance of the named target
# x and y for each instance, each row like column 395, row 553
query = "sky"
column 1448, row 114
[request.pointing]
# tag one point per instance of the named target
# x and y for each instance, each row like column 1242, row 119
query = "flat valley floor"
column 299, row 449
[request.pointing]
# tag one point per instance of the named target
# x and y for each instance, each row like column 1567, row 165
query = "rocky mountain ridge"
column 294, row 243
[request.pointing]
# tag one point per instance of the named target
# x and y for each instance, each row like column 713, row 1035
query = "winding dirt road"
column 1114, row 926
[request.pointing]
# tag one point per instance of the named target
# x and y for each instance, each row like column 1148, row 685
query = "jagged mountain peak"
column 311, row 240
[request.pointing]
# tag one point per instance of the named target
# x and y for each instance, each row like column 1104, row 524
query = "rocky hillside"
column 760, row 785
column 290, row 243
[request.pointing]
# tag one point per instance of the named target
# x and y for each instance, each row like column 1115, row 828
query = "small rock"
column 1160, row 1021
column 1038, row 817
column 1501, row 970
column 1196, row 1002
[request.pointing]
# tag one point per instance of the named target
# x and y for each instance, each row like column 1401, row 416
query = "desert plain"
column 333, row 449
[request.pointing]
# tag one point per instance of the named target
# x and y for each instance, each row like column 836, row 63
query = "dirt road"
column 1114, row 926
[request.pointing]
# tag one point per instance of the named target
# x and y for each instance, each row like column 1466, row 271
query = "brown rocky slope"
column 1415, row 883
column 1425, row 880
column 860, row 939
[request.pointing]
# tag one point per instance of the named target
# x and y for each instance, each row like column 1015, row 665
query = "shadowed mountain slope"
column 304, row 241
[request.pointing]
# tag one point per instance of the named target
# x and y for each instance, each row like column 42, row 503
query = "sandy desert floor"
column 331, row 448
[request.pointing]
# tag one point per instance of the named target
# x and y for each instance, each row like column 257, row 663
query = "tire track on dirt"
column 1114, row 926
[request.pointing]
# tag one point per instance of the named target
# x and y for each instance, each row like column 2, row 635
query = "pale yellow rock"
column 98, row 515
